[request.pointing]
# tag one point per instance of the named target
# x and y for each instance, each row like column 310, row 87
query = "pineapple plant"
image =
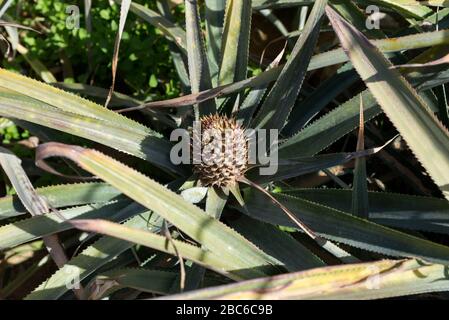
column 128, row 221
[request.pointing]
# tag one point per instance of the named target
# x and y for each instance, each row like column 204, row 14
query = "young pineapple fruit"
column 220, row 151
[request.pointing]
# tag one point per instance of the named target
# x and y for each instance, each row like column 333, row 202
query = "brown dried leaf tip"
column 220, row 150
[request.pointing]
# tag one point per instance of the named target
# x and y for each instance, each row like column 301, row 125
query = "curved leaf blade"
column 373, row 280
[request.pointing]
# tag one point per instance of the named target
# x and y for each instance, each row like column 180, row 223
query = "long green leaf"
column 62, row 196
column 392, row 209
column 235, row 45
column 161, row 243
column 64, row 100
column 140, row 144
column 271, row 4
column 118, row 99
column 410, row 8
column 214, row 19
column 197, row 60
column 22, row 231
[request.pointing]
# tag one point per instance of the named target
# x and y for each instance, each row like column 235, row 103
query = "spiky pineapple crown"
column 220, row 157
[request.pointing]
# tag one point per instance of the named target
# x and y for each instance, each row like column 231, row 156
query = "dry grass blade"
column 360, row 186
column 186, row 100
column 88, row 21
column 17, row 25
column 124, row 9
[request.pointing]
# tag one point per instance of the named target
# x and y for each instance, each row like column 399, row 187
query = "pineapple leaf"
column 372, row 280
column 186, row 216
column 197, row 60
column 321, row 60
column 214, row 18
column 235, row 43
column 140, row 143
column 391, row 209
column 277, row 243
column 94, row 257
column 62, row 196
column 64, row 100
column 344, row 228
column 423, row 132
column 281, row 99
column 22, row 231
